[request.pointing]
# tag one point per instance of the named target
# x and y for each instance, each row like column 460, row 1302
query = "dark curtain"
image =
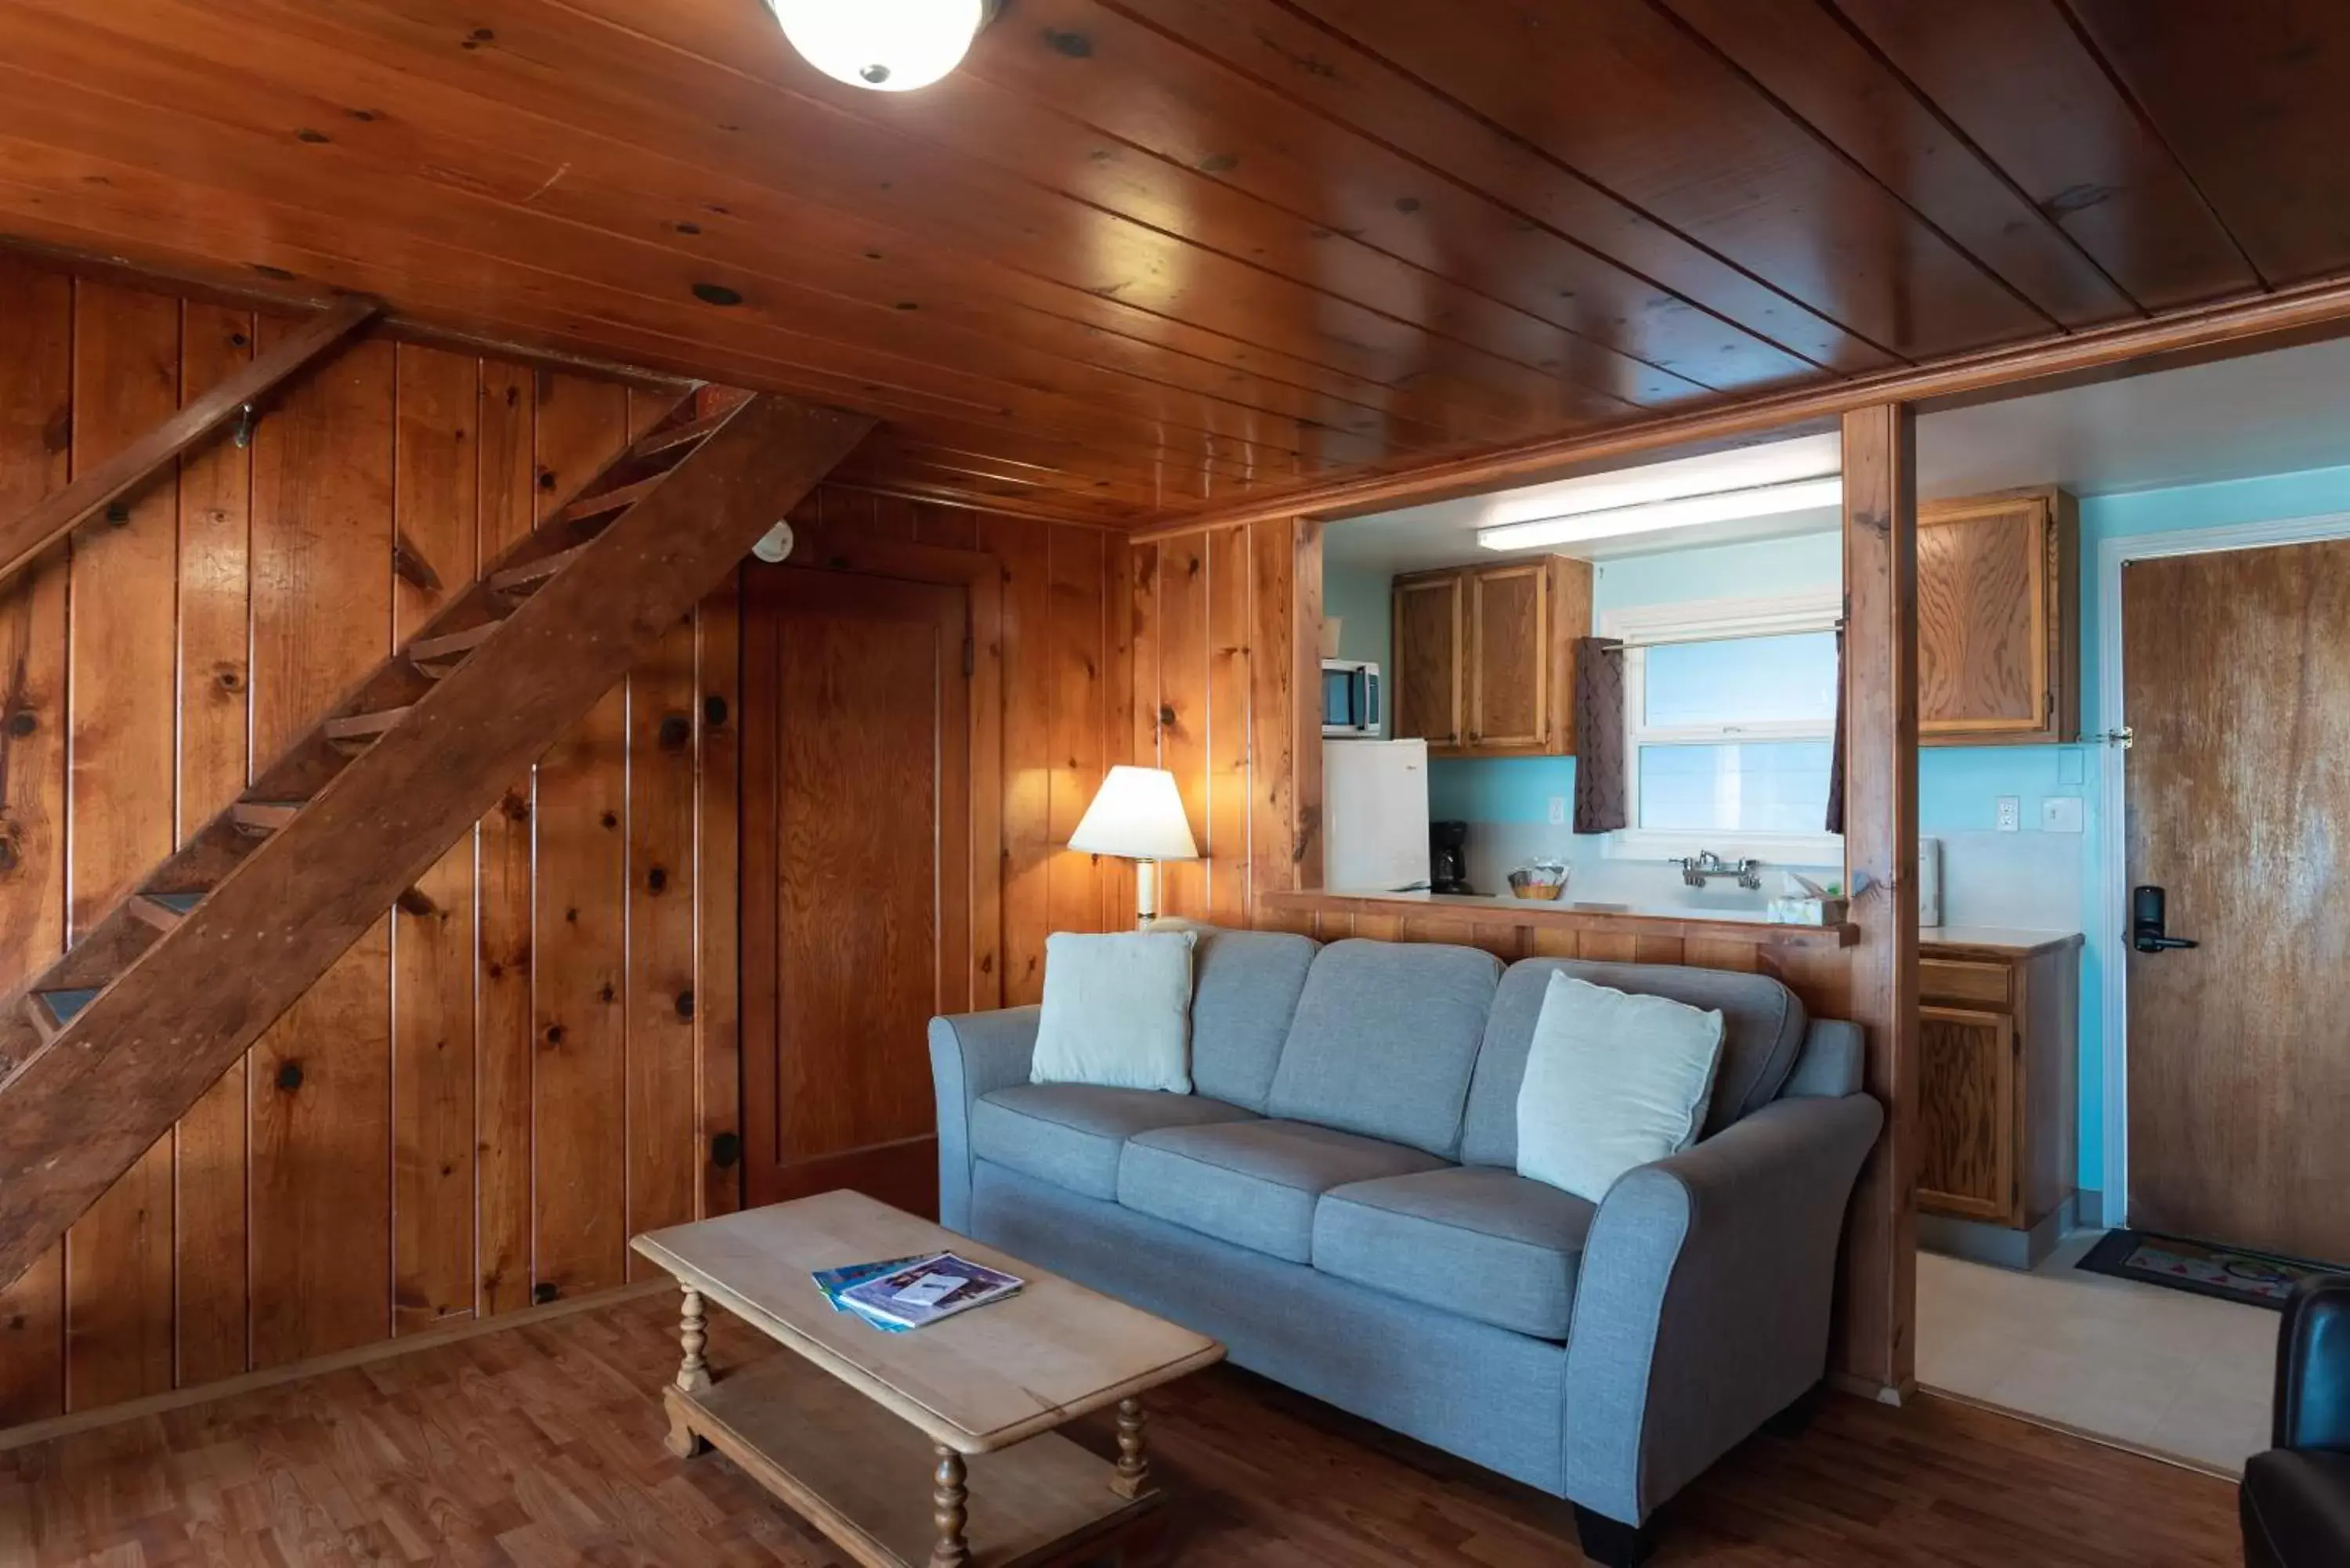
column 1600, row 804
column 1836, row 755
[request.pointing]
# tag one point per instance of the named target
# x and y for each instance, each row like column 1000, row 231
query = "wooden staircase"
column 104, row 1050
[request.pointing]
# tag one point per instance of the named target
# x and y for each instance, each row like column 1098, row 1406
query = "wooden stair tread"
column 263, row 817
column 451, row 646
column 53, row 1010
column 689, row 433
column 531, row 575
column 357, row 732
column 616, row 499
column 163, row 911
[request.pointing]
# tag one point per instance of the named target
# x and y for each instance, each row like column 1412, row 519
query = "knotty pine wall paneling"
column 1217, row 665
column 1060, row 637
column 407, row 1146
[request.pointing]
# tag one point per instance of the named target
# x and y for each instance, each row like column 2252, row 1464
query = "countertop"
column 2002, row 941
column 1742, row 923
column 1942, row 942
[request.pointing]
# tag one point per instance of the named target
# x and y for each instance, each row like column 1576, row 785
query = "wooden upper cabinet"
column 1427, row 678
column 1998, row 583
column 1485, row 657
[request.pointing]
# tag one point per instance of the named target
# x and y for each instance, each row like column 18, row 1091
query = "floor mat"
column 2230, row 1273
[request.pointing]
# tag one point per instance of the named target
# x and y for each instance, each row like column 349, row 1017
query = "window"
column 1731, row 727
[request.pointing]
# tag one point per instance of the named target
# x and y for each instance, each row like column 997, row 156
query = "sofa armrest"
column 972, row 1054
column 2313, row 1373
column 1701, row 1308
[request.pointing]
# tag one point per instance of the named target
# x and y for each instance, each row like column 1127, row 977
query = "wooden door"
column 1966, row 1116
column 1509, row 657
column 2236, row 672
column 1427, row 680
column 1994, row 583
column 856, row 871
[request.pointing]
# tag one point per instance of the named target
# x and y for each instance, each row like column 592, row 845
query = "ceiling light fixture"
column 890, row 46
column 1680, row 512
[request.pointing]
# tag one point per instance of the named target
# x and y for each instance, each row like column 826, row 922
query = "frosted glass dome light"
column 890, row 46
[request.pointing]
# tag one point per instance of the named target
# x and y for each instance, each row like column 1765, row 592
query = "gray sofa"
column 1337, row 1201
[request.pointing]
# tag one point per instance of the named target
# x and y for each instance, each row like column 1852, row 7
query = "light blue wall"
column 1957, row 787
column 2271, row 498
column 1360, row 601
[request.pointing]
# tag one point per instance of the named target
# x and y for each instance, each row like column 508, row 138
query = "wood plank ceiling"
column 1142, row 257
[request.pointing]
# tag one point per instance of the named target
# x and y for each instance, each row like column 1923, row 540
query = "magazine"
column 922, row 1292
column 832, row 1281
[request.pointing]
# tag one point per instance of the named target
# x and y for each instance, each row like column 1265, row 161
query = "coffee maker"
column 1448, row 858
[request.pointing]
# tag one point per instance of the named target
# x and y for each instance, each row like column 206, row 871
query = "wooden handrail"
column 55, row 516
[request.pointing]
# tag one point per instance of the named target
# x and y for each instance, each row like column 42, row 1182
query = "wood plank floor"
column 541, row 1446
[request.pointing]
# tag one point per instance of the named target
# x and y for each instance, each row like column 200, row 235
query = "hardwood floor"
column 543, row 1446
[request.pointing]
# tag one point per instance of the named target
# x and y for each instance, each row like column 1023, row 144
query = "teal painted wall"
column 1360, row 600
column 2313, row 493
column 1956, row 786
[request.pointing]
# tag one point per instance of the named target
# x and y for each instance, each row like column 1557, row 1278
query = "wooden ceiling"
column 1144, row 257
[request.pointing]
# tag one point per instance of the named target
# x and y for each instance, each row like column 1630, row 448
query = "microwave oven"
column 1350, row 698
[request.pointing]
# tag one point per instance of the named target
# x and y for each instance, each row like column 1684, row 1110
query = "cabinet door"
column 1987, row 620
column 1426, row 678
column 1509, row 657
column 1966, row 1113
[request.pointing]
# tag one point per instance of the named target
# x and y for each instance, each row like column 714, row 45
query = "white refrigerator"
column 1373, row 815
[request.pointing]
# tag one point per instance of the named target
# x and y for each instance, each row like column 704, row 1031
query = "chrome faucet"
column 1705, row 862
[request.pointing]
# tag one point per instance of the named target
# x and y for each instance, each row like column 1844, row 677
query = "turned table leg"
column 950, row 1515
column 693, row 1376
column 1133, row 1477
column 694, row 1373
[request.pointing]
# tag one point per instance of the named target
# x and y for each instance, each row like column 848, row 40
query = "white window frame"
column 1642, row 626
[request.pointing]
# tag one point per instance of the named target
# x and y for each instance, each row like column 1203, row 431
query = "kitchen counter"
column 1744, row 924
column 1992, row 941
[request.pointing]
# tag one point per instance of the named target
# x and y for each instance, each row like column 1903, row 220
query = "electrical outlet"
column 2011, row 814
column 2061, row 813
column 1557, row 810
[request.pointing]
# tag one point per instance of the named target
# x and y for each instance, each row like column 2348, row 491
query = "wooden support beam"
column 1877, row 1350
column 57, row 515
column 86, row 1107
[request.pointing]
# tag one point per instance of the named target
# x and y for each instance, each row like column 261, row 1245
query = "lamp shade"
column 1137, row 815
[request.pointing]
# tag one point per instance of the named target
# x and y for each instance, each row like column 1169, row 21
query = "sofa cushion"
column 1071, row 1134
column 1253, row 1183
column 1762, row 1029
column 1488, row 1245
column 1244, row 994
column 1385, row 1039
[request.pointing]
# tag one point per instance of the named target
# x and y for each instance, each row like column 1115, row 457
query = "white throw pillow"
column 1613, row 1081
column 1117, row 1012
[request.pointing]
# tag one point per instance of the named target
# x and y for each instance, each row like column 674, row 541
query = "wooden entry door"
column 2237, row 683
column 856, row 876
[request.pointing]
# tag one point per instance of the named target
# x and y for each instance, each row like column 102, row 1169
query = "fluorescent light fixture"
column 890, row 46
column 1677, row 512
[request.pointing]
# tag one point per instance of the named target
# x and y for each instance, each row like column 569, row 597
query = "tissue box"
column 1809, row 911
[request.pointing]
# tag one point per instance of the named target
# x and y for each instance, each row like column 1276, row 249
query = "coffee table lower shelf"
column 861, row 1476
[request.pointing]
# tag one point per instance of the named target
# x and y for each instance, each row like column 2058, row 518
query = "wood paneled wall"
column 525, row 1061
column 1223, row 629
column 1061, row 638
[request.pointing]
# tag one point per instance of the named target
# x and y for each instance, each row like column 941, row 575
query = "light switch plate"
column 1557, row 809
column 2011, row 814
column 2061, row 813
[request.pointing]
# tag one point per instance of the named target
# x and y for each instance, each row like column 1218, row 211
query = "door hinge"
column 969, row 658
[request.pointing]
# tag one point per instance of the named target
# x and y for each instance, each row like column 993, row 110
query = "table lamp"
column 1137, row 815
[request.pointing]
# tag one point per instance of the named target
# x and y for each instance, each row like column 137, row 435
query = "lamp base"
column 1145, row 893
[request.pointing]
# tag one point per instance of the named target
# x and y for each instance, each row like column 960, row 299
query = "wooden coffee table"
column 844, row 1429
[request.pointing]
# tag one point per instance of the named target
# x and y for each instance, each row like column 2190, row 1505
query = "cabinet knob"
column 1474, row 737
